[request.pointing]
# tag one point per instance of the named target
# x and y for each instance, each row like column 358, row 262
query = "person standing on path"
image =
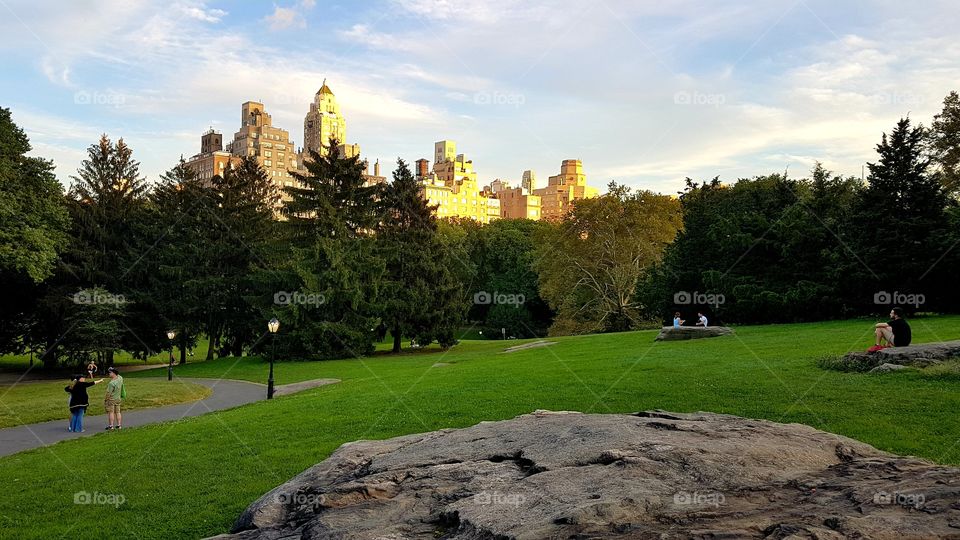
column 79, row 400
column 111, row 402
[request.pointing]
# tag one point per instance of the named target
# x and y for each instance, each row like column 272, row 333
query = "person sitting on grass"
column 701, row 319
column 79, row 400
column 113, row 398
column 895, row 333
column 677, row 321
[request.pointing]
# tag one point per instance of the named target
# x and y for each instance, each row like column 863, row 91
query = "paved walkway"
column 227, row 394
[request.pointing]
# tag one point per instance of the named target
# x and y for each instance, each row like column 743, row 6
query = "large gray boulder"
column 914, row 355
column 646, row 475
column 669, row 333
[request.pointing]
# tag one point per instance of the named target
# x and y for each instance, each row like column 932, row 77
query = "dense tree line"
column 116, row 262
column 777, row 249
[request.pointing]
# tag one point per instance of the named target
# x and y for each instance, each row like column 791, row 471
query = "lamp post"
column 272, row 326
column 170, row 335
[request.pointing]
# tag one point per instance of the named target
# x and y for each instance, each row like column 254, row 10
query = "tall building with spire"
column 322, row 122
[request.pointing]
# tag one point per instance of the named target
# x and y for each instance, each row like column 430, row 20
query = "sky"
column 645, row 93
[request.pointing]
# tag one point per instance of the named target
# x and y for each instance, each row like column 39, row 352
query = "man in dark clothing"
column 895, row 333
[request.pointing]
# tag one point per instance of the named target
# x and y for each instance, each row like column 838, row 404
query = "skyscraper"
column 322, row 122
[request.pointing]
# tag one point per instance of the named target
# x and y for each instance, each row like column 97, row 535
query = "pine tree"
column 900, row 218
column 107, row 193
column 242, row 237
column 330, row 283
column 421, row 297
column 331, row 199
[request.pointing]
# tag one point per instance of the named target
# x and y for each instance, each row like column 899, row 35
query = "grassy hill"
column 192, row 478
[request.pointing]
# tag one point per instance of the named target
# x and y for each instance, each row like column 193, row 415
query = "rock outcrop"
column 923, row 355
column 669, row 333
column 648, row 475
column 887, row 368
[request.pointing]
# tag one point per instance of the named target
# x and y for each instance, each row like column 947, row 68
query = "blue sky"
column 645, row 93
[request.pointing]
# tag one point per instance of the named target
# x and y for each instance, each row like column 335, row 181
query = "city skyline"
column 644, row 95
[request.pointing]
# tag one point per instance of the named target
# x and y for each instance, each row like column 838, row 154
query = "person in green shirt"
column 111, row 402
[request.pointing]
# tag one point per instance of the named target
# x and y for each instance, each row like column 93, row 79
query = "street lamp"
column 170, row 335
column 273, row 325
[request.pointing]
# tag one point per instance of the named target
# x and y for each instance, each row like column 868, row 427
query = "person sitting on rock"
column 895, row 333
column 677, row 321
column 701, row 319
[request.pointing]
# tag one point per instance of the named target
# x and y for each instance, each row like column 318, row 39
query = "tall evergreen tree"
column 242, row 241
column 107, row 194
column 175, row 268
column 900, row 219
column 332, row 199
column 421, row 298
column 330, row 285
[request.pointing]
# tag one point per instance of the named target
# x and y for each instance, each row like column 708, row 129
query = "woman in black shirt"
column 79, row 400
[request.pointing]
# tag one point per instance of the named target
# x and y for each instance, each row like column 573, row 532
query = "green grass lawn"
column 31, row 402
column 20, row 362
column 193, row 477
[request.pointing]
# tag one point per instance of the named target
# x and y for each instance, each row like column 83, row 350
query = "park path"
column 226, row 395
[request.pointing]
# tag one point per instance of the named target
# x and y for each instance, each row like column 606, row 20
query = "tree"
column 327, row 291
column 420, row 297
column 591, row 263
column 106, row 202
column 243, row 236
column 94, row 326
column 900, row 220
column 944, row 141
column 504, row 253
column 174, row 289
column 107, row 195
column 34, row 225
column 332, row 199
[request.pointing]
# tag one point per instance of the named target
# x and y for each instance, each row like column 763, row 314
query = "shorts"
column 111, row 406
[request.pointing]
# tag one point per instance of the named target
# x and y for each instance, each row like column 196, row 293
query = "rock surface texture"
column 923, row 355
column 669, row 333
column 647, row 475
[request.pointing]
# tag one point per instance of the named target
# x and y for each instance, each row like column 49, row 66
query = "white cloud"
column 283, row 18
column 293, row 16
column 201, row 12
